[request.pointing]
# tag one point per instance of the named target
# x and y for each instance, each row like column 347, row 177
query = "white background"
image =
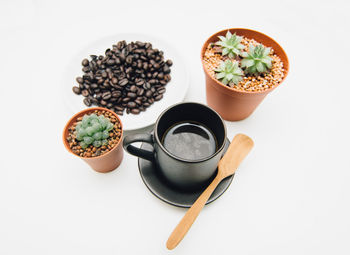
column 290, row 196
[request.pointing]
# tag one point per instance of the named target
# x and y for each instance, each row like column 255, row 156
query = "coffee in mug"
column 190, row 140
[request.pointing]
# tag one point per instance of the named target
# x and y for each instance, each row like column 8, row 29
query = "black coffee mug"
column 183, row 173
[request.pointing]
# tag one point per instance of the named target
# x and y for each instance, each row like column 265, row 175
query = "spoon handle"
column 186, row 222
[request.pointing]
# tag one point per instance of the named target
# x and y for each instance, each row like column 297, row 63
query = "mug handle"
column 147, row 138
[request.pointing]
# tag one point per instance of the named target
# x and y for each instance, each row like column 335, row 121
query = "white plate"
column 175, row 90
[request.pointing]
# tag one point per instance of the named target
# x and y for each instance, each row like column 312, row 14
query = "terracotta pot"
column 106, row 162
column 231, row 103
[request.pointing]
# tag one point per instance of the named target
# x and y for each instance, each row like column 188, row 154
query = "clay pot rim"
column 286, row 70
column 75, row 116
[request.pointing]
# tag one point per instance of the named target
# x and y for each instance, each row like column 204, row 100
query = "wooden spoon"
column 236, row 152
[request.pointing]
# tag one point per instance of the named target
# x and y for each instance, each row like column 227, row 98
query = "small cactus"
column 257, row 60
column 230, row 44
column 229, row 72
column 93, row 130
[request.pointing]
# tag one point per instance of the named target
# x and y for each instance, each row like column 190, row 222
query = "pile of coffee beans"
column 130, row 76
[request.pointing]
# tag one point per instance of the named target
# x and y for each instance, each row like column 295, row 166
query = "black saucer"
column 159, row 187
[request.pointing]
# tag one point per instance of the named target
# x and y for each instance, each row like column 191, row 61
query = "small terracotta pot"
column 106, row 162
column 231, row 103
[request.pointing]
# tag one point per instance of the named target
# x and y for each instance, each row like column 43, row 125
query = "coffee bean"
column 131, row 95
column 126, row 99
column 149, row 93
column 87, row 102
column 140, row 92
column 148, row 45
column 167, row 77
column 85, row 62
column 114, row 80
column 133, row 88
column 76, row 90
column 120, row 113
column 119, row 45
column 79, row 80
column 138, row 101
column 169, row 62
column 122, row 57
column 94, row 86
column 166, row 69
column 123, row 82
column 85, row 93
column 145, row 66
column 154, row 75
column 106, row 95
column 103, row 102
column 116, row 94
column 131, row 104
column 152, row 82
column 160, row 76
column 98, row 96
column 93, row 100
column 161, row 90
column 106, row 83
column 146, row 86
column 100, row 81
column 128, row 59
column 119, row 108
column 117, row 87
column 140, row 44
column 85, row 69
column 128, row 70
column 140, row 82
column 135, row 111
column 159, row 97
column 110, row 62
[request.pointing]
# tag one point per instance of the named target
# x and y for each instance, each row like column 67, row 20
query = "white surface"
column 290, row 196
column 175, row 89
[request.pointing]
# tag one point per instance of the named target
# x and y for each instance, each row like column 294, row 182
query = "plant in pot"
column 241, row 67
column 95, row 135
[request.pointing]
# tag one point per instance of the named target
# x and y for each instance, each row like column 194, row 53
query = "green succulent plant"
column 93, row 130
column 257, row 60
column 230, row 44
column 229, row 72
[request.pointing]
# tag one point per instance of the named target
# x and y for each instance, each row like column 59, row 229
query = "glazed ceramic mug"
column 183, row 173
